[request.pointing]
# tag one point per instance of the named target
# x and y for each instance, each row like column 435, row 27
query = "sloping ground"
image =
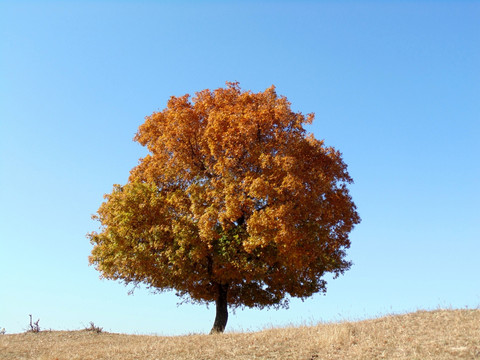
column 441, row 334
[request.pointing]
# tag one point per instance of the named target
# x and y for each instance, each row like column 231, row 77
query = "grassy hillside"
column 440, row 334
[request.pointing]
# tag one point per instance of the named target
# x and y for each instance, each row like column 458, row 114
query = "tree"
column 234, row 204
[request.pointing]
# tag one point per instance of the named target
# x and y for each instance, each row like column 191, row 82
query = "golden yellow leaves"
column 234, row 192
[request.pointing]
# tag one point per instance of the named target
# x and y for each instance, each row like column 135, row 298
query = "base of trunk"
column 221, row 316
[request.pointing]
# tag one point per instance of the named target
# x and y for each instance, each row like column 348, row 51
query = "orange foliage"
column 233, row 191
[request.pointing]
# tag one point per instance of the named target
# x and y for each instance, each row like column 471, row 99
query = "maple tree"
column 234, row 204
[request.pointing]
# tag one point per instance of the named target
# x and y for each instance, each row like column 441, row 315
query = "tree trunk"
column 221, row 316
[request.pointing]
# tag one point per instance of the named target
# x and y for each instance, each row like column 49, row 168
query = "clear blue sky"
column 395, row 87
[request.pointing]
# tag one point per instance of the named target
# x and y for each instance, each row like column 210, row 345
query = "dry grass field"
column 440, row 334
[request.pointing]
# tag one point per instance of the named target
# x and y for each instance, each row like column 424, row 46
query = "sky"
column 395, row 86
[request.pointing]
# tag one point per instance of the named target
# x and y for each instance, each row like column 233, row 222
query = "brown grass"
column 440, row 334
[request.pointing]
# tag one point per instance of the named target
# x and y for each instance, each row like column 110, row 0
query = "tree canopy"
column 234, row 204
